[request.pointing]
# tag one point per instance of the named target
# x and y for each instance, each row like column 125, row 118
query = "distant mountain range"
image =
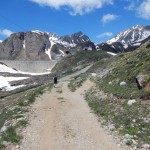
column 38, row 45
column 127, row 40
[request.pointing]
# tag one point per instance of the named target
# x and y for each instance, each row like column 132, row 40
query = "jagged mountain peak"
column 132, row 35
column 39, row 45
column 137, row 27
column 127, row 40
column 80, row 33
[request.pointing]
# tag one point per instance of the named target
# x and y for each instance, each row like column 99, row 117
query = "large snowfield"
column 5, row 81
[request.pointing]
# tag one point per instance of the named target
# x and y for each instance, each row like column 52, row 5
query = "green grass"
column 18, row 112
column 22, row 123
column 81, row 58
column 31, row 96
column 11, row 136
column 105, row 63
column 127, row 68
column 77, row 82
column 132, row 120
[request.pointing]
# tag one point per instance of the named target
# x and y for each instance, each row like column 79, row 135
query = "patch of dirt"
column 63, row 121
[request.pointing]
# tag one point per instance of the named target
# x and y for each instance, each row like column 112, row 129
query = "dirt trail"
column 62, row 120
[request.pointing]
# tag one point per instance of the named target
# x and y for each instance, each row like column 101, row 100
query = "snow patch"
column 38, row 32
column 112, row 53
column 137, row 44
column 48, row 51
column 125, row 46
column 62, row 52
column 24, row 44
column 5, row 85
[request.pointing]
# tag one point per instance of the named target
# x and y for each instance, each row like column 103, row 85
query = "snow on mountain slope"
column 132, row 36
column 67, row 41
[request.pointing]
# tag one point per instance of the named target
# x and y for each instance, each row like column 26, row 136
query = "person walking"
column 55, row 80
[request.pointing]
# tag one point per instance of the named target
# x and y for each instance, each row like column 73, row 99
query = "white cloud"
column 104, row 34
column 5, row 32
column 144, row 10
column 109, row 17
column 76, row 6
column 131, row 6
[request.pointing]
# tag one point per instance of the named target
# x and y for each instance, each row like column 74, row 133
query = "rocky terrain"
column 38, row 45
column 119, row 95
column 127, row 40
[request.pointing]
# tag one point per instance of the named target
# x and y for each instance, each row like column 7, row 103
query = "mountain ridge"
column 127, row 40
column 39, row 45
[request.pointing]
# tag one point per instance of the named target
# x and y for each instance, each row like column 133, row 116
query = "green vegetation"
column 17, row 112
column 105, row 63
column 30, row 97
column 81, row 59
column 77, row 82
column 10, row 135
column 127, row 119
column 132, row 120
column 127, row 69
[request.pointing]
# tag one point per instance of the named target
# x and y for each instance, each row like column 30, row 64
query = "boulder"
column 123, row 83
column 130, row 102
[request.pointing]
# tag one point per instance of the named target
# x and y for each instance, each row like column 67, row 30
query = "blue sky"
column 99, row 19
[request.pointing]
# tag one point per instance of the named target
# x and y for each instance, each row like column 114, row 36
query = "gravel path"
column 62, row 120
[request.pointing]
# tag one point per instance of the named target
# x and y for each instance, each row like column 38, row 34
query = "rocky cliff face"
column 25, row 46
column 37, row 45
column 127, row 40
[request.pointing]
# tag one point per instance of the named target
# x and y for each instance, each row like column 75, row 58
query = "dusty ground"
column 62, row 120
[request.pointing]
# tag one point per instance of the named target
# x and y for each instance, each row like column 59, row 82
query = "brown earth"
column 62, row 120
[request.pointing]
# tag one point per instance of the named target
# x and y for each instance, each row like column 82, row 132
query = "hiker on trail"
column 55, row 80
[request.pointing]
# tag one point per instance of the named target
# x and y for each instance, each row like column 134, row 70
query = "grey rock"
column 140, row 80
column 127, row 40
column 130, row 102
column 5, row 143
column 123, row 83
column 111, row 127
column 38, row 45
column 3, row 129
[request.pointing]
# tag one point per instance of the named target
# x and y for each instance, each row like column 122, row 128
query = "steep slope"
column 127, row 40
column 130, row 76
column 78, row 61
column 38, row 45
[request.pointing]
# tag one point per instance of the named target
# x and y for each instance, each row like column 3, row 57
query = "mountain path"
column 62, row 120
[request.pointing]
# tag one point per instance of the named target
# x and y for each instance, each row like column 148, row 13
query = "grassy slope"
column 126, row 69
column 127, row 120
column 132, row 120
column 82, row 58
